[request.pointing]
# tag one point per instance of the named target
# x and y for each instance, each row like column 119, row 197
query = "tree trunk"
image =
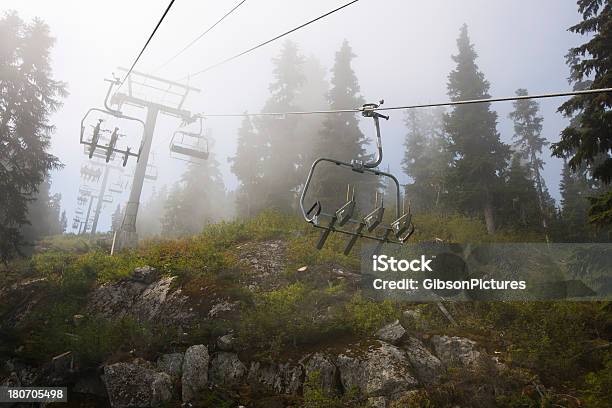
column 488, row 215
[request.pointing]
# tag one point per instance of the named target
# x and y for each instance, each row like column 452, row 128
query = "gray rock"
column 377, row 402
column 327, row 372
column 414, row 319
column 131, row 385
column 147, row 306
column 226, row 369
column 90, row 384
column 195, row 372
column 144, row 274
column 455, row 351
column 171, row 364
column 276, row 378
column 227, row 342
column 392, row 333
column 427, row 367
column 223, row 306
column 378, row 369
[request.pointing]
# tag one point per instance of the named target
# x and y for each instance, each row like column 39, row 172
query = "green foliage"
column 290, row 316
column 598, row 392
column 478, row 155
column 28, row 97
column 316, row 397
column 366, row 316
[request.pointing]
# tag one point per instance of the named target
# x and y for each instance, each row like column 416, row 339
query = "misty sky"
column 403, row 50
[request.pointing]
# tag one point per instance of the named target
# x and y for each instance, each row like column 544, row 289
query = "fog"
column 403, row 55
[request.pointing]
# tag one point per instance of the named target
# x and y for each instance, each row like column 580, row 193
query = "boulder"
column 90, row 384
column 226, row 369
column 327, row 372
column 171, row 364
column 377, row 402
column 132, row 385
column 148, row 305
column 276, row 378
column 392, row 333
column 455, row 351
column 195, row 372
column 376, row 369
column 414, row 319
column 427, row 367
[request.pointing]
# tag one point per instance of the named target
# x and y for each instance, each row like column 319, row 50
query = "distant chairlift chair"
column 190, row 145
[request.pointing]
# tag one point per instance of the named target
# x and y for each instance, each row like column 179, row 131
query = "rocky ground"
column 387, row 369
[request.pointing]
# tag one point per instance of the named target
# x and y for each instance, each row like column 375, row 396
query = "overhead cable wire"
column 426, row 105
column 268, row 41
column 148, row 41
column 198, row 38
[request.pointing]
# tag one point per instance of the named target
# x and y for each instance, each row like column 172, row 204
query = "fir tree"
column 342, row 139
column 575, row 190
column 117, row 218
column 588, row 141
column 478, row 155
column 425, row 158
column 247, row 165
column 529, row 143
column 28, row 96
column 520, row 204
column 199, row 200
column 280, row 163
column 63, row 222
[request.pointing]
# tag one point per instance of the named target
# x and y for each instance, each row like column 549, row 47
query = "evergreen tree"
column 425, row 158
column 247, row 165
column 575, row 190
column 63, row 222
column 478, row 155
column 588, row 141
column 148, row 222
column 28, row 96
column 519, row 207
column 312, row 95
column 199, row 200
column 342, row 139
column 280, row 163
column 529, row 143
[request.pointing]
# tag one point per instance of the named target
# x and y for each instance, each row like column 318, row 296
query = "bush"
column 366, row 316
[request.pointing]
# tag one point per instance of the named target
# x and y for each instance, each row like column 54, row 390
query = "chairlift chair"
column 94, row 147
column 188, row 146
column 400, row 230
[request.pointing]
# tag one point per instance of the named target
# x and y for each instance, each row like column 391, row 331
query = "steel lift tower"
column 127, row 235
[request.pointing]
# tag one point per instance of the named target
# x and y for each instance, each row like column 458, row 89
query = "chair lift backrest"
column 190, row 144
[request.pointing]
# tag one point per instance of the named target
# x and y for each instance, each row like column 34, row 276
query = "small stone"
column 145, row 274
column 303, row 269
column 171, row 364
column 226, row 342
column 392, row 333
column 195, row 372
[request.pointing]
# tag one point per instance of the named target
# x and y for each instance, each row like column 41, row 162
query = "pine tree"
column 280, row 163
column 247, row 165
column 478, row 155
column 529, row 143
column 588, row 141
column 520, row 204
column 425, row 158
column 312, row 95
column 28, row 96
column 575, row 190
column 199, row 200
column 342, row 139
